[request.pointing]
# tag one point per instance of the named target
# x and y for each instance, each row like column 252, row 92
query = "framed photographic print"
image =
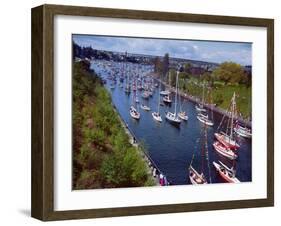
column 141, row 112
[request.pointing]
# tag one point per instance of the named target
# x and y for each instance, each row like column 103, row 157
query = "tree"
column 187, row 67
column 229, row 72
column 157, row 65
column 166, row 64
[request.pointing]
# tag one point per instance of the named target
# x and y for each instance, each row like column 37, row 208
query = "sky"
column 210, row 51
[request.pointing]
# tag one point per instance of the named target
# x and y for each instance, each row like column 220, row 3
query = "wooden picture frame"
column 43, row 108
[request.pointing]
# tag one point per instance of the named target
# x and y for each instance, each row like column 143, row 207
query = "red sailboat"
column 227, row 138
column 226, row 173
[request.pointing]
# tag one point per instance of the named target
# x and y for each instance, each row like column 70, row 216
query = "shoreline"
column 153, row 169
column 208, row 106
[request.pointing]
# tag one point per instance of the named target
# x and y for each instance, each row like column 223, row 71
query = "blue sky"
column 217, row 52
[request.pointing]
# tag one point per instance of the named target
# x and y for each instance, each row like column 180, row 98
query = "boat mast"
column 203, row 95
column 232, row 114
column 176, row 93
column 158, row 99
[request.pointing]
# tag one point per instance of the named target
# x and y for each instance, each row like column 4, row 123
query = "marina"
column 172, row 143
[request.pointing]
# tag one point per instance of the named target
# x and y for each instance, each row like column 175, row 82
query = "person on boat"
column 161, row 179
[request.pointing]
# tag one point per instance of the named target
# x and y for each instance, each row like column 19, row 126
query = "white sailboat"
column 156, row 115
column 167, row 99
column 200, row 106
column 144, row 107
column 182, row 114
column 173, row 117
column 166, row 92
column 133, row 111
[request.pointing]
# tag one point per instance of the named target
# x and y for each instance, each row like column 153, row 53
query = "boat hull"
column 225, row 174
column 224, row 151
column 205, row 121
column 156, row 117
column 226, row 141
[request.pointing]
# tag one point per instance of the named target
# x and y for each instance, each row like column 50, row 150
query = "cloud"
column 196, row 50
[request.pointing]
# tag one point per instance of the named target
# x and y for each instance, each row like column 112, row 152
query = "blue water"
column 172, row 148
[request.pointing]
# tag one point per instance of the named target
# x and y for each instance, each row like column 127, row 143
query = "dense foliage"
column 102, row 154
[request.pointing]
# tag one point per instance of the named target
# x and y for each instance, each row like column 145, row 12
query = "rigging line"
column 207, row 154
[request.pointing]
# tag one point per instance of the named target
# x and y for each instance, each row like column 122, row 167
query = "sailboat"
column 226, row 173
column 203, row 117
column 133, row 111
column 127, row 87
column 194, row 176
column 224, row 151
column 173, row 117
column 167, row 99
column 227, row 138
column 242, row 131
column 166, row 92
column 156, row 115
column 200, row 106
column 182, row 114
column 144, row 107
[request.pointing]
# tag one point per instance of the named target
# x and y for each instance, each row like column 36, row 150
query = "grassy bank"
column 102, row 154
column 220, row 94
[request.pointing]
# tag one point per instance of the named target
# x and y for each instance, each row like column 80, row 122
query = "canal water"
column 172, row 148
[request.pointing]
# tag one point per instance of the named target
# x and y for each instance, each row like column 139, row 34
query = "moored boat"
column 202, row 118
column 134, row 113
column 157, row 116
column 227, row 141
column 227, row 138
column 224, row 151
column 167, row 99
column 144, row 107
column 200, row 108
column 243, row 131
column 165, row 92
column 173, row 117
column 196, row 178
column 182, row 115
column 227, row 174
